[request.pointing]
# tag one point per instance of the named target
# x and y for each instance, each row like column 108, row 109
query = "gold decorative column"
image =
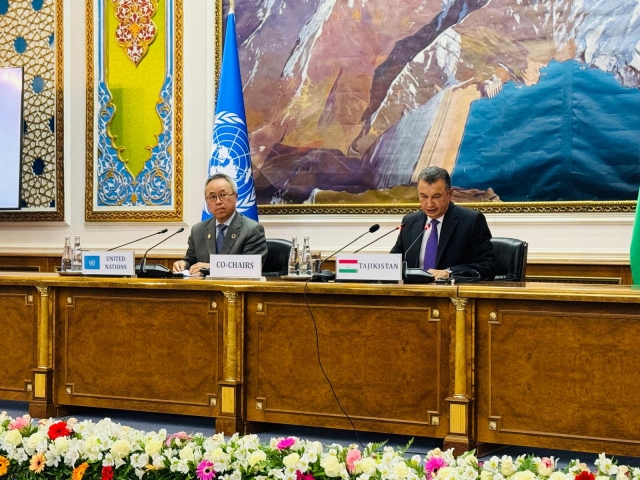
column 230, row 419
column 460, row 436
column 42, row 400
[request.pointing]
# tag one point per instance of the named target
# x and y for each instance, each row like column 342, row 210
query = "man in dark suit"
column 444, row 238
column 227, row 232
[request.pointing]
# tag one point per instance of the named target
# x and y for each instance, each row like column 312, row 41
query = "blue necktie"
column 431, row 251
column 222, row 229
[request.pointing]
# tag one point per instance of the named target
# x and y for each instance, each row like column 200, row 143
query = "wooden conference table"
column 550, row 365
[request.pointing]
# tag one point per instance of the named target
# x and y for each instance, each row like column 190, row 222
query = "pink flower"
column 352, row 457
column 205, row 470
column 433, row 465
column 303, row 476
column 19, row 423
column 176, row 436
column 285, row 443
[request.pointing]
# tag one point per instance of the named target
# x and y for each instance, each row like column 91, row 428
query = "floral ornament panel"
column 128, row 176
column 28, row 40
column 136, row 30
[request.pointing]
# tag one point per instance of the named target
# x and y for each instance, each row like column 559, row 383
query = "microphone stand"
column 134, row 241
column 157, row 270
column 380, row 237
column 325, row 276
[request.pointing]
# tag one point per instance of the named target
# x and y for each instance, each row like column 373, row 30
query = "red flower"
column 107, row 473
column 586, row 475
column 303, row 476
column 59, row 429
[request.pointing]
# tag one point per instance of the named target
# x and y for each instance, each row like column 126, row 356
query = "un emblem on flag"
column 230, row 149
column 231, row 155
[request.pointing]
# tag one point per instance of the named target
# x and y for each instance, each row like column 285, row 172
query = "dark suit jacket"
column 464, row 242
column 244, row 236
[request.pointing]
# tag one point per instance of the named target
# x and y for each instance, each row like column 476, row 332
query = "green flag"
column 635, row 246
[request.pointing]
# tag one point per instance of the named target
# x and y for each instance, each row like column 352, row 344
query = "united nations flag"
column 230, row 151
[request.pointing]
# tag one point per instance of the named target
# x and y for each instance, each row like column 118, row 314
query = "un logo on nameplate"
column 99, row 262
column 369, row 267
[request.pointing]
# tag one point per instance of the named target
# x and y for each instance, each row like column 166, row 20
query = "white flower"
column 401, row 469
column 153, row 446
column 506, row 466
column 13, row 437
column 558, row 476
column 524, row 475
column 331, row 466
column 187, row 454
column 486, row 475
column 291, row 460
column 364, row 465
column 416, row 459
column 256, row 457
column 605, row 465
column 623, row 473
column 36, row 442
column 446, row 473
column 61, row 445
column 120, row 449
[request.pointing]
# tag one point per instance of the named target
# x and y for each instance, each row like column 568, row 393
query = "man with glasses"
column 227, row 232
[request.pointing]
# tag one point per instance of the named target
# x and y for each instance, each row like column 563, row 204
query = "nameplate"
column 235, row 266
column 120, row 263
column 365, row 266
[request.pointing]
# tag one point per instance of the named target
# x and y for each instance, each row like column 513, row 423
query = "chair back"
column 277, row 261
column 511, row 258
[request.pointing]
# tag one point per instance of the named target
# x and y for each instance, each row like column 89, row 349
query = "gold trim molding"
column 485, row 207
column 174, row 215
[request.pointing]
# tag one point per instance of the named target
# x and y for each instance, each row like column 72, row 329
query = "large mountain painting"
column 522, row 100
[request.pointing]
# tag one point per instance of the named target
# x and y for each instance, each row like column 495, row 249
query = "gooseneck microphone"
column 426, row 227
column 399, row 227
column 155, row 270
column 164, row 230
column 326, row 275
column 416, row 275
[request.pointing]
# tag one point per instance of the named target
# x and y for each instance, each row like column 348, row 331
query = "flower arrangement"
column 57, row 450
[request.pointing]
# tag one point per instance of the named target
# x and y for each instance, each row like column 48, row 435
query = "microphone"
column 399, row 227
column 164, row 230
column 326, row 275
column 416, row 275
column 155, row 270
column 426, row 227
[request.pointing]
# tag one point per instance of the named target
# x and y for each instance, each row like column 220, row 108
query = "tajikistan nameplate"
column 365, row 266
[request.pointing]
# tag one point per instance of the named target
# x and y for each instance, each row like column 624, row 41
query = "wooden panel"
column 387, row 359
column 559, row 375
column 146, row 350
column 18, row 320
column 619, row 274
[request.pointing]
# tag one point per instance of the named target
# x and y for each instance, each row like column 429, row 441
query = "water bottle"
column 65, row 264
column 76, row 256
column 294, row 266
column 306, row 267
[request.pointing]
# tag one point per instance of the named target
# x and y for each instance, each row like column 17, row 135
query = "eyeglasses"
column 214, row 198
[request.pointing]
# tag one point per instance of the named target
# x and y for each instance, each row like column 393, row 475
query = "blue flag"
column 230, row 152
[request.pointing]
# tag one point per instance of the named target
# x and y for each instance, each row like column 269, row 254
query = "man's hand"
column 195, row 268
column 179, row 266
column 438, row 273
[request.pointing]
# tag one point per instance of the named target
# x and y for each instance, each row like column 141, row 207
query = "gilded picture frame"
column 487, row 87
column 43, row 141
column 114, row 191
